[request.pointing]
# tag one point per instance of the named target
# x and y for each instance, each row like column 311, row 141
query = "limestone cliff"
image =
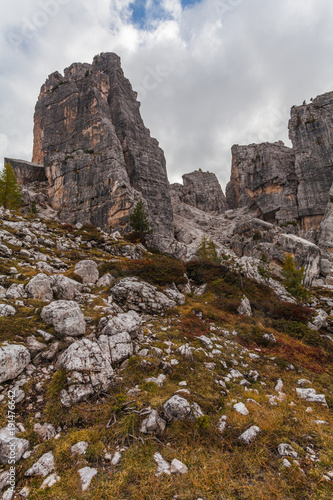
column 263, row 176
column 201, row 190
column 311, row 133
column 97, row 153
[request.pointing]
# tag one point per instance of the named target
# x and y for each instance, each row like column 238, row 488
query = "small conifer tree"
column 10, row 191
column 293, row 280
column 207, row 251
column 139, row 221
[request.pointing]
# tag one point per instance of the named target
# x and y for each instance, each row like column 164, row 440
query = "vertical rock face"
column 97, row 153
column 263, row 176
column 311, row 133
column 201, row 190
column 326, row 226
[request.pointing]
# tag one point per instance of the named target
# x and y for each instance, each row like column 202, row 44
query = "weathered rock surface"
column 201, row 190
column 66, row 317
column 88, row 271
column 130, row 293
column 7, row 310
column 89, row 363
column 97, row 152
column 64, row 288
column 39, row 288
column 45, row 431
column 14, row 358
column 27, row 172
column 310, row 131
column 178, row 408
column 326, row 226
column 125, row 322
column 153, row 424
column 11, row 447
column 86, row 475
column 43, row 466
column 263, row 176
column 258, row 237
column 250, row 435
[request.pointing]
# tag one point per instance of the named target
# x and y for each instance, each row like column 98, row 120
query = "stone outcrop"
column 99, row 157
column 258, row 237
column 311, row 133
column 27, row 172
column 263, row 176
column 201, row 190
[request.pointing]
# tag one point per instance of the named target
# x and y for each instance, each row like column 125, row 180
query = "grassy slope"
column 219, row 467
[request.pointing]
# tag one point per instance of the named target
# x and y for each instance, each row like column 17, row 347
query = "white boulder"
column 66, row 317
column 14, row 358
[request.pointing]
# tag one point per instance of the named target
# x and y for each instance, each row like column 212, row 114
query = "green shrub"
column 158, row 270
column 299, row 331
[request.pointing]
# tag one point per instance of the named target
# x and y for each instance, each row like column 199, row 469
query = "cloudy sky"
column 209, row 73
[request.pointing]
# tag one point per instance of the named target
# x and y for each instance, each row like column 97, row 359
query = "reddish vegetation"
column 294, row 351
column 192, row 326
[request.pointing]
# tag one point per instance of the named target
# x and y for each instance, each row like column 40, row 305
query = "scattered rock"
column 178, row 408
column 250, row 435
column 11, row 447
column 86, row 475
column 153, row 424
column 245, row 307
column 178, row 467
column 50, row 481
column 5, row 251
column 285, row 450
column 46, row 431
column 79, row 448
column 126, row 322
column 162, row 465
column 88, row 271
column 88, row 367
column 66, row 317
column 39, row 288
column 43, row 467
column 7, row 310
column 14, row 358
column 131, row 293
column 311, row 396
column 241, row 408
column 116, row 459
column 65, row 288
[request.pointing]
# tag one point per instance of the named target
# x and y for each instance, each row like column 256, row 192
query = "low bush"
column 298, row 331
column 158, row 270
column 88, row 232
column 192, row 326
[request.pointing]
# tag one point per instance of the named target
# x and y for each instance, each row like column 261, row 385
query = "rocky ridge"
column 98, row 156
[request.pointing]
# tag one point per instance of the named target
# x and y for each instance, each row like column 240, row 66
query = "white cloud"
column 215, row 73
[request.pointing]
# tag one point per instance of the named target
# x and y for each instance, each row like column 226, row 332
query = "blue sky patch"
column 185, row 3
column 142, row 17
